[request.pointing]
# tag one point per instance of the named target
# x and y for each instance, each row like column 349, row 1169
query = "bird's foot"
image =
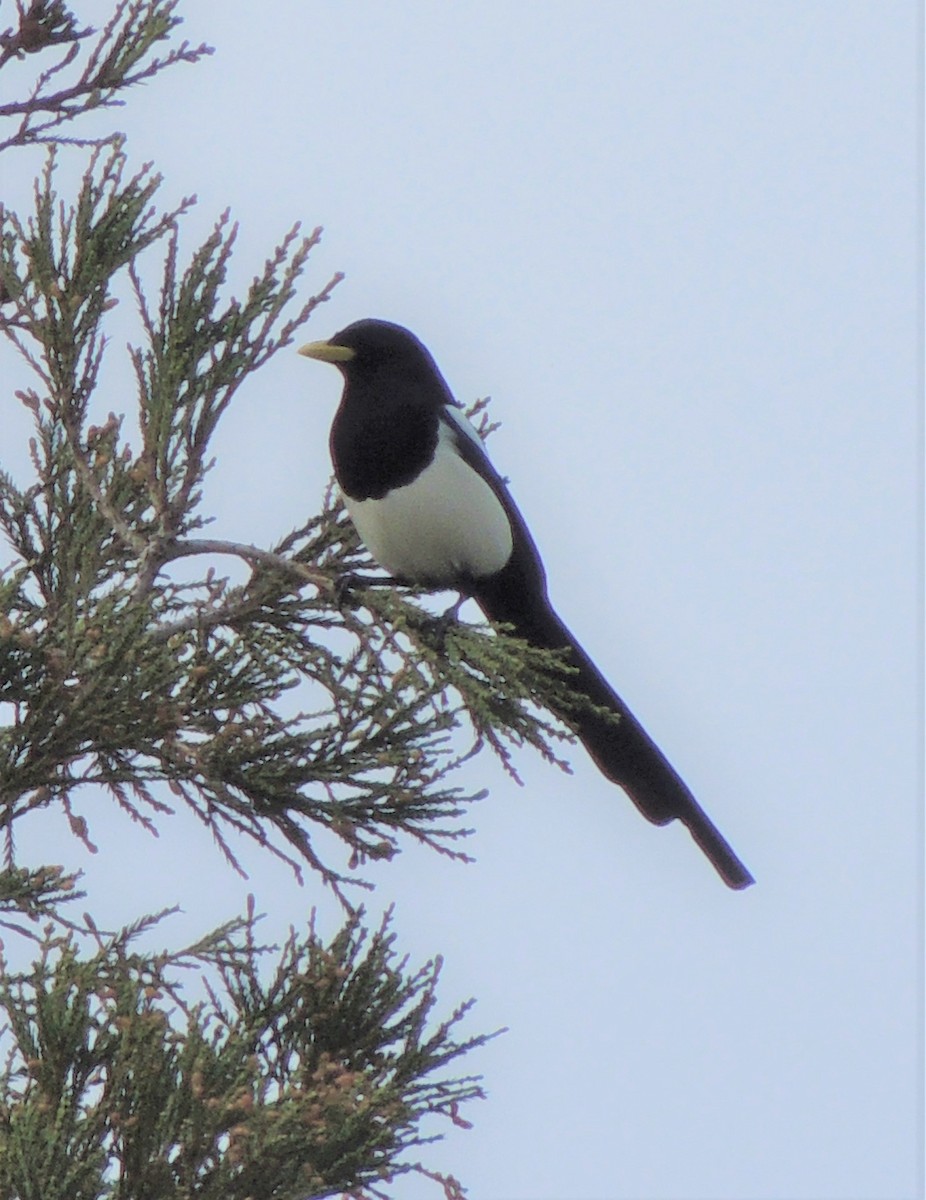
column 350, row 581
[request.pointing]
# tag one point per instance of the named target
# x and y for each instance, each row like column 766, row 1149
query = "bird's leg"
column 448, row 618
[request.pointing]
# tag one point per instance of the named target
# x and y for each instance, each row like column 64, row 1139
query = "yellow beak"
column 325, row 352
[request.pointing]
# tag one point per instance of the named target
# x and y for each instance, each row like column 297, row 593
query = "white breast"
column 446, row 525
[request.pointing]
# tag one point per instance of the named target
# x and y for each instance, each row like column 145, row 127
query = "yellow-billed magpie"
column 433, row 511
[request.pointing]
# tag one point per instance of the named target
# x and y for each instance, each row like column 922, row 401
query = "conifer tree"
column 311, row 1068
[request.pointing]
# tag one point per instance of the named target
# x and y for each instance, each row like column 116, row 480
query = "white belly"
column 445, row 526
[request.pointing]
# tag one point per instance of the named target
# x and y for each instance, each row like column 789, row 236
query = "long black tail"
column 623, row 750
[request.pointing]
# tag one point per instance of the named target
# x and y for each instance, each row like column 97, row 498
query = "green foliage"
column 114, row 59
column 304, row 1080
column 35, row 894
column 121, row 676
column 307, row 708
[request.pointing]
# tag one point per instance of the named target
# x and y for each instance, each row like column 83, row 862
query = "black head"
column 378, row 351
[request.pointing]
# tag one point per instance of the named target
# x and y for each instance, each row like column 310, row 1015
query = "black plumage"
column 433, row 510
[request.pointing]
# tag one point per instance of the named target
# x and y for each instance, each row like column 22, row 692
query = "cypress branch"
column 83, row 69
column 307, row 1070
column 312, row 699
column 124, row 677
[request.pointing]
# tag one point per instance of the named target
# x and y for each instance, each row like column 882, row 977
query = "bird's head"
column 371, row 348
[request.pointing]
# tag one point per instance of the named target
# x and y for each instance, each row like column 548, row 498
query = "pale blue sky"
column 679, row 244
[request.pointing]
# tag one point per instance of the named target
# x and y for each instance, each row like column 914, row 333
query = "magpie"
column 433, row 511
